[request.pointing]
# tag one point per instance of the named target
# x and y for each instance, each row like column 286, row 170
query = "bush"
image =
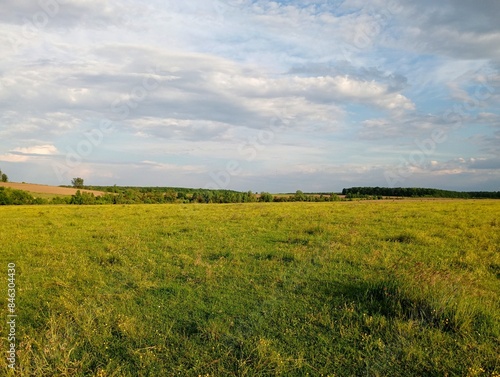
column 10, row 196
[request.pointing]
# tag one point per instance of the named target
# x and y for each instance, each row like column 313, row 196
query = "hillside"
column 34, row 189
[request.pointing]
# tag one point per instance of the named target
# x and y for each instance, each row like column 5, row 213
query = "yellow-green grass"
column 404, row 288
column 47, row 195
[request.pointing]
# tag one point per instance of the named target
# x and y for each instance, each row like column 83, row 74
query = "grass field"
column 405, row 288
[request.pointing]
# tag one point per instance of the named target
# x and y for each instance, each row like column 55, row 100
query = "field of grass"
column 48, row 196
column 404, row 288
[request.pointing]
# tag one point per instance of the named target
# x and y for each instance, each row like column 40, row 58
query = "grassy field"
column 405, row 288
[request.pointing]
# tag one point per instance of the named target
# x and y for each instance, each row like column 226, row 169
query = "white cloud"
column 34, row 153
column 9, row 157
column 37, row 150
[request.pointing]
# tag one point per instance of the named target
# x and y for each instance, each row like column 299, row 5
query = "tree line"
column 157, row 195
column 164, row 195
column 417, row 192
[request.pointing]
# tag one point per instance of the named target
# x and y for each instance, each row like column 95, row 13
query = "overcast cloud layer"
column 251, row 95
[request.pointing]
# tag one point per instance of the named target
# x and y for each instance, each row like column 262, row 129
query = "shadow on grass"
column 495, row 269
column 405, row 238
column 271, row 256
column 389, row 299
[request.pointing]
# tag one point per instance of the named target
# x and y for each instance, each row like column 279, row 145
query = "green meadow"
column 361, row 288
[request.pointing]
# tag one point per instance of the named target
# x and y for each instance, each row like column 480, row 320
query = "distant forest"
column 156, row 195
column 415, row 192
column 159, row 195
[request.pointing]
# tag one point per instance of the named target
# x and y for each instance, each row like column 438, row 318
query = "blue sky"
column 251, row 95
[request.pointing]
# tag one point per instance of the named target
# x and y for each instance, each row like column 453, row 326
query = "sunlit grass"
column 403, row 288
column 48, row 196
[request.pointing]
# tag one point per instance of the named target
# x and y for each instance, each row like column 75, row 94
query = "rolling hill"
column 45, row 190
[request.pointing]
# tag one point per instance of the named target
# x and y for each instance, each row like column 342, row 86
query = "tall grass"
column 403, row 288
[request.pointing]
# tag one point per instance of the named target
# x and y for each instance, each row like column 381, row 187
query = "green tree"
column 77, row 182
column 250, row 197
column 299, row 196
column 82, row 198
column 334, row 197
column 3, row 177
column 266, row 197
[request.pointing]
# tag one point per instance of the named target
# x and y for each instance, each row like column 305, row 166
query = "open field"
column 374, row 288
column 44, row 191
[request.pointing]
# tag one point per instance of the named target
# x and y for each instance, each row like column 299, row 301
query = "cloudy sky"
column 251, row 94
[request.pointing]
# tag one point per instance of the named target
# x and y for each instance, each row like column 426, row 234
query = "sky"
column 254, row 95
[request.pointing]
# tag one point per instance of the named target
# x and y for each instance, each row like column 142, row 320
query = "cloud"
column 484, row 163
column 37, row 150
column 457, row 29
column 337, row 89
column 24, row 154
column 489, row 143
column 10, row 157
column 412, row 126
column 190, row 87
column 183, row 129
column 37, row 16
